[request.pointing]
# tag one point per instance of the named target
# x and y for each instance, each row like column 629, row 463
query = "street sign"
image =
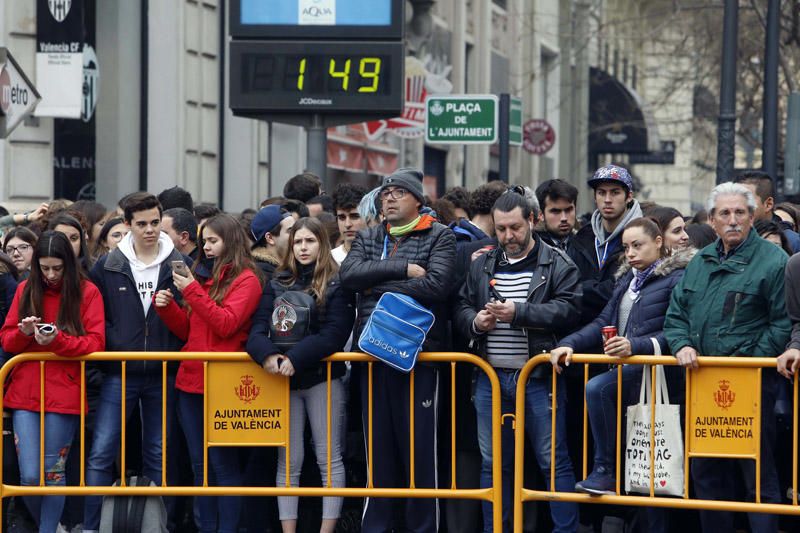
column 515, row 122
column 539, row 136
column 18, row 96
column 461, row 119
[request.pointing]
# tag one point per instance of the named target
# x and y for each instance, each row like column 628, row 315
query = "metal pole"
column 505, row 104
column 769, row 155
column 726, row 133
column 317, row 149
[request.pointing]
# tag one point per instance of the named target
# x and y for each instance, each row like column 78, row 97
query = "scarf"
column 399, row 231
column 639, row 277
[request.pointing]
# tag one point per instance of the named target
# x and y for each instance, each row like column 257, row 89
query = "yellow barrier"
column 695, row 444
column 491, row 494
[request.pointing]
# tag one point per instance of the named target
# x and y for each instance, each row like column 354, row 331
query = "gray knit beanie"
column 409, row 179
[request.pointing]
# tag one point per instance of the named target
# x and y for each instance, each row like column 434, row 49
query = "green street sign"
column 461, row 119
column 515, row 122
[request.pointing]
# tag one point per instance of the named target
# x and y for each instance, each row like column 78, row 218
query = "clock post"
column 317, row 64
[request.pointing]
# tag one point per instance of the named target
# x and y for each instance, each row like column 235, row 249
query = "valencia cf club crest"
column 59, row 8
column 246, row 391
column 724, row 397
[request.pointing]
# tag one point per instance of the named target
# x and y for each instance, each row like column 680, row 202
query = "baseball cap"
column 612, row 174
column 265, row 220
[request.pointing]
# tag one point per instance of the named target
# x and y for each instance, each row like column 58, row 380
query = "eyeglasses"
column 396, row 193
column 22, row 248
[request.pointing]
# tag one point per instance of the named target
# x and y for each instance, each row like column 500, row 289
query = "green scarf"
column 399, row 231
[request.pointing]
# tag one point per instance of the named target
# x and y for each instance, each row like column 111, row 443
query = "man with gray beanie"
column 597, row 247
column 412, row 254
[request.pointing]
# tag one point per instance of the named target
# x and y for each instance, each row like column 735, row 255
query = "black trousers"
column 391, row 462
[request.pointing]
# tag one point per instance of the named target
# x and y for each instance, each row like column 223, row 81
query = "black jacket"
column 553, row 305
column 646, row 318
column 597, row 283
column 433, row 248
column 127, row 327
column 329, row 330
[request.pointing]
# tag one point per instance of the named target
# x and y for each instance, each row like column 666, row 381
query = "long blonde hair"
column 325, row 268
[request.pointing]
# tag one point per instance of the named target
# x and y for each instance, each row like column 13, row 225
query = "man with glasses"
column 411, row 254
column 730, row 302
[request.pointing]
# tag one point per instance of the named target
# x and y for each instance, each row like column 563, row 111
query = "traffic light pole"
column 769, row 154
column 726, row 132
column 503, row 135
column 317, row 149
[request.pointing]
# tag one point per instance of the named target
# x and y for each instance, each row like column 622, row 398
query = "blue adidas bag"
column 396, row 330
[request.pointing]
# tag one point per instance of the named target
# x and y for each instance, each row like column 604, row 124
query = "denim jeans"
column 538, row 426
column 143, row 391
column 601, row 404
column 224, row 470
column 59, row 431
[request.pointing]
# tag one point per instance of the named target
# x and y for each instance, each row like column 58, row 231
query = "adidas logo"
column 426, row 403
column 403, row 354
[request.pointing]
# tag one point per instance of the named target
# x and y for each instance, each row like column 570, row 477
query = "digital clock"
column 317, row 77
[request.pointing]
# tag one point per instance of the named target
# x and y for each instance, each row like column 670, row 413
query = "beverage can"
column 609, row 332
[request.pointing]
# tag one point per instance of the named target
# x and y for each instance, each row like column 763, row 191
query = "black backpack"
column 291, row 318
column 133, row 514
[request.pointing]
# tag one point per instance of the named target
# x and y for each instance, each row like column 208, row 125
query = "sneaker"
column 599, row 482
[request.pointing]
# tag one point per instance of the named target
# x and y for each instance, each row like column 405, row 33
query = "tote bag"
column 668, row 461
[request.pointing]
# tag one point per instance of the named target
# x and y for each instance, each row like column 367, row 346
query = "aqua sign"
column 462, row 119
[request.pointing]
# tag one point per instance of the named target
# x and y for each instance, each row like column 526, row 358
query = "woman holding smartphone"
column 217, row 315
column 56, row 310
column 308, row 267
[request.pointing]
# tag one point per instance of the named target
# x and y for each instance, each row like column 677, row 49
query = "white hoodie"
column 146, row 276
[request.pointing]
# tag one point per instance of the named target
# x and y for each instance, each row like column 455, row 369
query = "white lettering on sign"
column 462, row 107
column 460, row 132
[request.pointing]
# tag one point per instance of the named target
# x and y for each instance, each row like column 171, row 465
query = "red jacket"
column 211, row 327
column 62, row 379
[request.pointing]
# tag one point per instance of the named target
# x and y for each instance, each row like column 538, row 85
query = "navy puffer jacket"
column 646, row 319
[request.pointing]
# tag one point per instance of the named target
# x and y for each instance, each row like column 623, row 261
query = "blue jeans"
column 144, row 392
column 538, row 427
column 601, row 405
column 224, row 470
column 59, row 430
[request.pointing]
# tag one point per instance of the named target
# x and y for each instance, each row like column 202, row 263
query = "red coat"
column 62, row 379
column 211, row 327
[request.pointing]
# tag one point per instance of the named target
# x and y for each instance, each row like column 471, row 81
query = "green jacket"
column 733, row 307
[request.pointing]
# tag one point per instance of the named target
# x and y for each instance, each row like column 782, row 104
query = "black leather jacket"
column 552, row 309
column 433, row 248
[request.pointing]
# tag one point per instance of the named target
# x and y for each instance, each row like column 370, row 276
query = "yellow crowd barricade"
column 724, row 392
column 232, row 377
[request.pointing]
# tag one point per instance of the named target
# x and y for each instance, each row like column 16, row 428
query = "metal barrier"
column 491, row 494
column 522, row 494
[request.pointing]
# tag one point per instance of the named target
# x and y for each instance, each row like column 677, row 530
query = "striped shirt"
column 507, row 347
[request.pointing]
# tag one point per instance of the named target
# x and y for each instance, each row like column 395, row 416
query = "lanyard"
column 385, row 247
column 600, row 261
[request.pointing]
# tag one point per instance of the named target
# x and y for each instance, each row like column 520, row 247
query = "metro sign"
column 18, row 96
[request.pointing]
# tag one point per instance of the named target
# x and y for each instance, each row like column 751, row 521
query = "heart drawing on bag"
column 663, row 482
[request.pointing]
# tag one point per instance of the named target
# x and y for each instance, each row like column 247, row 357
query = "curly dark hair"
column 348, row 196
column 484, row 197
column 303, row 187
column 460, row 198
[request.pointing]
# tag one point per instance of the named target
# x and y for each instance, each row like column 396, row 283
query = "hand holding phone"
column 180, row 268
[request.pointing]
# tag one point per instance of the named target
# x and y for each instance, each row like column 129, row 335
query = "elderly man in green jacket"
column 731, row 302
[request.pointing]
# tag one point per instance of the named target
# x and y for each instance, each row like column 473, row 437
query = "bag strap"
column 644, row 390
column 136, row 514
column 120, row 522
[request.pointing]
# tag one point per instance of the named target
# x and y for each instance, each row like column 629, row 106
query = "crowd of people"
column 509, row 273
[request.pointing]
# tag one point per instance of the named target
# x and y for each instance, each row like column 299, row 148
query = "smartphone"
column 181, row 268
column 46, row 329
